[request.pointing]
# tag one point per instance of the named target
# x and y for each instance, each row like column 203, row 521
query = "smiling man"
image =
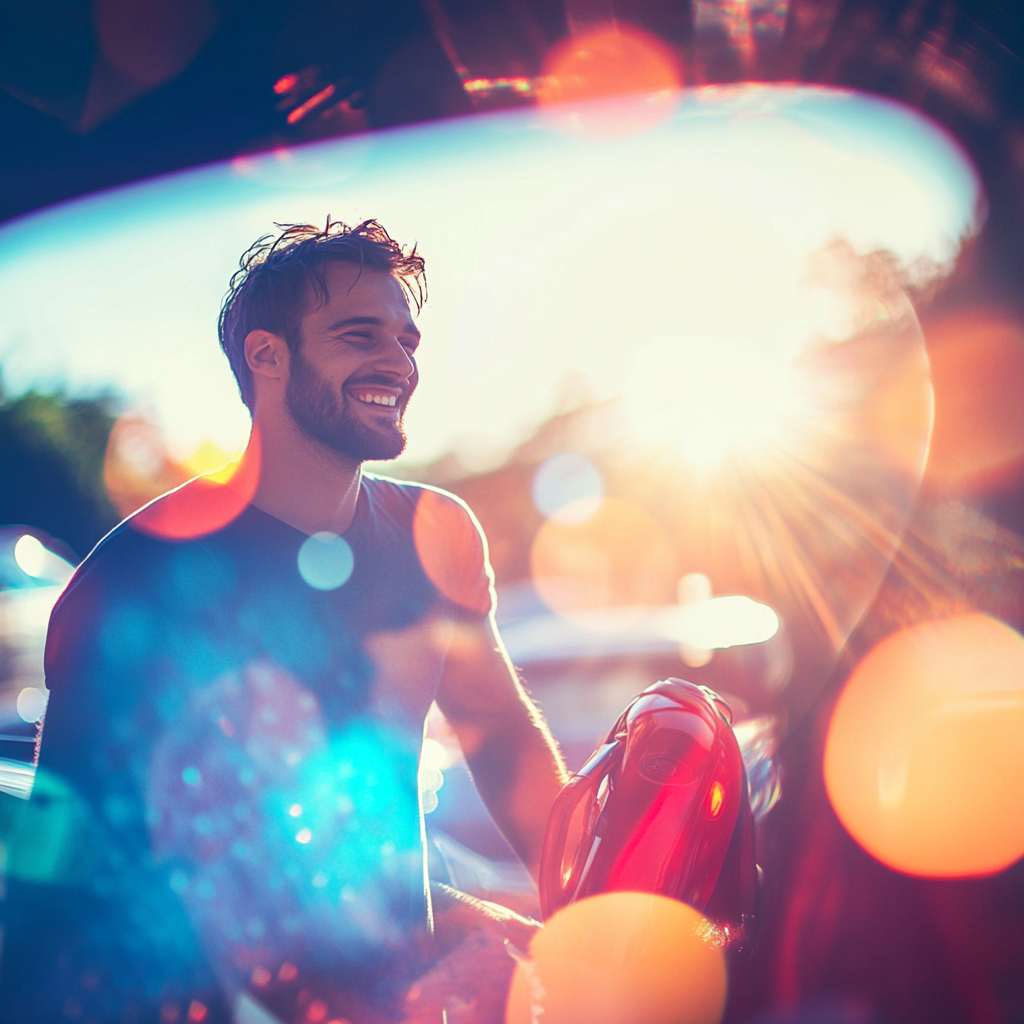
column 236, row 715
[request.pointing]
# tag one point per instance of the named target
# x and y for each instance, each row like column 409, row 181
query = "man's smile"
column 376, row 395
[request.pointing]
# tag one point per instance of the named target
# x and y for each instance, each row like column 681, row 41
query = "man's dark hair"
column 276, row 277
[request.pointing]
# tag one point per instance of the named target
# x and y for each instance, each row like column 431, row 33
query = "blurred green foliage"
column 52, row 449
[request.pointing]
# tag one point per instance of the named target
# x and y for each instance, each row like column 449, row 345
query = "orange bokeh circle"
column 924, row 756
column 977, row 366
column 450, row 547
column 136, row 466
column 206, row 503
column 620, row 958
column 619, row 556
column 619, row 63
column 608, row 61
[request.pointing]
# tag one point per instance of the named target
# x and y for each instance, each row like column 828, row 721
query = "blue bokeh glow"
column 568, row 487
column 325, row 561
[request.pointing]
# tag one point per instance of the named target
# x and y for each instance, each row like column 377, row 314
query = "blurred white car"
column 32, row 577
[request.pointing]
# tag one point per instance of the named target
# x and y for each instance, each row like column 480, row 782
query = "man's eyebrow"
column 371, row 321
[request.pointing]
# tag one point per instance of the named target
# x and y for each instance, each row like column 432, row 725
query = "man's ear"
column 267, row 354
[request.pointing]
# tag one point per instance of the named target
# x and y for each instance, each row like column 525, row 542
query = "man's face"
column 353, row 372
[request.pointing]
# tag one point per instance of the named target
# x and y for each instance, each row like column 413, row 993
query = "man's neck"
column 303, row 482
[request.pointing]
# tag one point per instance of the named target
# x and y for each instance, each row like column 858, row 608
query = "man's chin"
column 363, row 444
column 379, row 452
column 319, row 415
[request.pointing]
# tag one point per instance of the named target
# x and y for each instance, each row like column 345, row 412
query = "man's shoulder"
column 122, row 550
column 79, row 611
column 390, row 492
column 123, row 545
column 408, row 490
column 145, row 538
column 449, row 543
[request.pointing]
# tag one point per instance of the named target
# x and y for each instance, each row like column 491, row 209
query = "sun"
column 708, row 396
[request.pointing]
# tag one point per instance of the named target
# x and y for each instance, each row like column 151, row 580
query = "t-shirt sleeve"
column 453, row 551
column 70, row 667
column 72, row 622
column 94, row 670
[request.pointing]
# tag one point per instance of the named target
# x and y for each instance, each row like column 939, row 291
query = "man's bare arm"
column 510, row 752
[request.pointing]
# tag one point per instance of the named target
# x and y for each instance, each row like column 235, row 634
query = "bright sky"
column 550, row 257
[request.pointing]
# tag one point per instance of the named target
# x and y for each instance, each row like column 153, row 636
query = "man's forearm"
column 511, row 754
column 519, row 772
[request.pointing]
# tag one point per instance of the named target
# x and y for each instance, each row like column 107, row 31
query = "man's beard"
column 323, row 414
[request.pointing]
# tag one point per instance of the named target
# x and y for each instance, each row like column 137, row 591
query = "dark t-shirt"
column 242, row 746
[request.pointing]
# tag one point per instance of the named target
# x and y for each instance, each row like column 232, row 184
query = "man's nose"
column 393, row 357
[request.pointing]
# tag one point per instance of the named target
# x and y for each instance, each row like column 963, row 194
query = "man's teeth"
column 378, row 399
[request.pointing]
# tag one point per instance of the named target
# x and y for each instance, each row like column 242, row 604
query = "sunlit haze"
column 708, row 394
column 555, row 262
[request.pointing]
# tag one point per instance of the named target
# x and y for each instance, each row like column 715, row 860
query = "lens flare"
column 137, row 468
column 978, row 374
column 707, row 395
column 619, row 556
column 325, row 561
column 196, row 1011
column 208, row 457
column 620, row 958
column 262, row 883
column 206, row 503
column 924, row 759
column 31, row 703
column 30, row 555
column 451, row 551
column 608, row 61
column 613, row 62
column 719, row 622
column 433, row 754
column 432, row 759
column 568, row 487
column 149, row 45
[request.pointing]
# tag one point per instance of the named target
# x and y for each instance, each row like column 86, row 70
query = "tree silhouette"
column 52, row 450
